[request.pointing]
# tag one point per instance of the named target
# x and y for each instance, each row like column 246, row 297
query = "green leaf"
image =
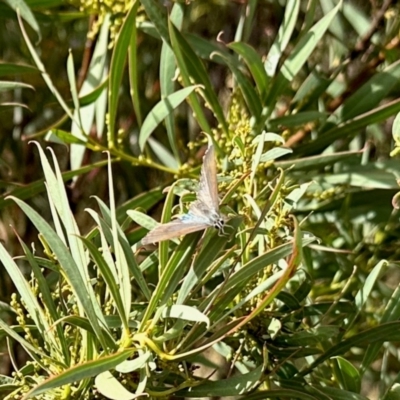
column 239, row 279
column 111, row 388
column 298, row 119
column 233, row 386
column 81, row 287
column 117, row 67
column 16, row 69
column 186, row 313
column 63, row 137
column 302, row 51
column 378, row 334
column 362, row 177
column 86, row 115
column 29, row 298
column 121, row 240
column 165, row 157
column 347, row 375
column 274, row 153
column 134, row 72
column 144, row 200
column 253, row 101
column 37, row 187
column 81, row 372
column 394, row 392
column 22, row 9
column 282, row 39
column 34, row 352
column 160, row 111
column 256, row 159
column 281, row 394
column 207, row 49
column 255, row 66
column 109, row 278
column 43, row 72
column 128, row 366
column 193, row 71
column 5, row 85
column 158, row 17
column 171, row 275
column 319, row 161
column 167, row 82
column 369, row 95
column 300, row 54
column 122, row 257
column 335, row 393
column 203, row 264
column 396, row 130
column 349, row 129
column 48, row 301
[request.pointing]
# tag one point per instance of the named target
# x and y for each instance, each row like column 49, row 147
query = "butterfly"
column 203, row 213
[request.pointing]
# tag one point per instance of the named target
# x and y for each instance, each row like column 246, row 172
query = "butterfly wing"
column 208, row 185
column 174, row 229
column 203, row 212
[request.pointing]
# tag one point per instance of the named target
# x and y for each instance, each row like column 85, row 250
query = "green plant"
column 285, row 312
column 105, row 307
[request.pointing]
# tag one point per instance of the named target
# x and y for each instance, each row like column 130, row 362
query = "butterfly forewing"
column 208, row 186
column 172, row 230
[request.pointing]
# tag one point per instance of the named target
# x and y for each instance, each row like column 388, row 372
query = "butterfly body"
column 200, row 213
column 203, row 213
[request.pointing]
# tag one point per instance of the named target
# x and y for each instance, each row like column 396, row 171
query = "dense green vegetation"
column 106, row 112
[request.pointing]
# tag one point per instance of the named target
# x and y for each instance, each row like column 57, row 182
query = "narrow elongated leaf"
column 4, row 85
column 186, row 313
column 233, row 386
column 158, row 17
column 319, row 161
column 254, row 64
column 167, row 82
column 253, row 100
column 282, row 39
column 80, row 372
column 123, row 242
column 369, row 95
column 117, row 67
column 335, row 393
column 348, row 375
column 300, row 54
column 37, row 187
column 20, row 7
column 85, row 115
column 165, row 157
column 192, row 69
column 20, row 69
column 133, row 71
column 160, row 111
column 349, row 129
column 43, row 72
column 79, row 285
column 25, row 291
column 112, row 389
column 108, row 277
column 382, row 333
column 128, row 366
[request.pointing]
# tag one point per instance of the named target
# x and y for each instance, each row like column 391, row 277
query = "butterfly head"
column 219, row 224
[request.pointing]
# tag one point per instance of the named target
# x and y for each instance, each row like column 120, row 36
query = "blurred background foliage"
column 299, row 98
